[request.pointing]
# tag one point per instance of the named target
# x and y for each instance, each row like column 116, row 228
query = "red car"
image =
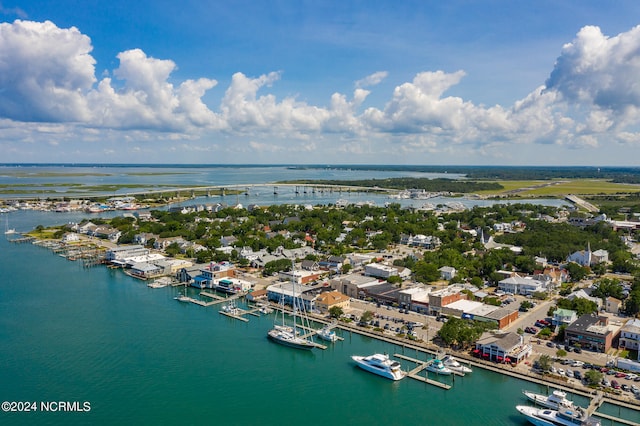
column 544, row 322
column 620, row 375
column 615, row 384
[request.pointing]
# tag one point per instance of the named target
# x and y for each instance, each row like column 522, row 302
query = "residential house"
column 563, row 317
column 309, row 265
column 612, row 305
column 447, row 272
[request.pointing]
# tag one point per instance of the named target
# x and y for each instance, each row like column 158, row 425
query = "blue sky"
column 307, row 82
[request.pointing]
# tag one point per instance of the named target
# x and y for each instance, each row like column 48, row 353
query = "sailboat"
column 288, row 335
column 7, row 230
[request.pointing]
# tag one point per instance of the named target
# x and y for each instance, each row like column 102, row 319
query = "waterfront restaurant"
column 502, row 348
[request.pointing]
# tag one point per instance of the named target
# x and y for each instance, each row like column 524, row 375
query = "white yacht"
column 557, row 399
column 437, row 366
column 452, row 364
column 563, row 417
column 326, row 333
column 381, row 365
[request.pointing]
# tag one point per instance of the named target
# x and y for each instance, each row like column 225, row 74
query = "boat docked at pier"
column 287, row 335
column 565, row 416
column 381, row 365
column 554, row 401
column 437, row 366
column 454, row 365
column 326, row 333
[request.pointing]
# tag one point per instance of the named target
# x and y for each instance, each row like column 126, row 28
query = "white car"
column 631, row 376
column 577, row 364
column 569, row 373
column 561, row 371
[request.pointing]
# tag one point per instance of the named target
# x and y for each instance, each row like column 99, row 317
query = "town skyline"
column 468, row 83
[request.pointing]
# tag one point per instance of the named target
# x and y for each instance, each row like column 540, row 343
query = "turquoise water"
column 138, row 356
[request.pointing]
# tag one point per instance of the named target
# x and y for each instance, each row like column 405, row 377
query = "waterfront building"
column 213, row 272
column 145, row 270
column 118, row 255
column 592, row 332
column 288, row 292
column 329, row 299
column 503, row 347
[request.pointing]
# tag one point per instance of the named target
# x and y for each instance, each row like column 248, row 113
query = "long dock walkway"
column 421, row 365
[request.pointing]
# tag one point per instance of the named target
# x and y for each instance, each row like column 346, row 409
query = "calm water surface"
column 140, row 357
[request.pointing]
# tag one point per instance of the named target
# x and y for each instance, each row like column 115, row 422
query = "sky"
column 503, row 82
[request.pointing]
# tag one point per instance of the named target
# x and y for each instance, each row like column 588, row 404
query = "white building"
column 521, row 285
column 379, row 270
column 630, row 335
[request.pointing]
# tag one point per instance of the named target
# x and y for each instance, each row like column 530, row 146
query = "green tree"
column 593, row 377
column 366, row 316
column 576, row 272
column 545, row 362
column 336, row 311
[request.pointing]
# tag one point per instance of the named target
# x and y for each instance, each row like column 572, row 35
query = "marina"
column 137, row 345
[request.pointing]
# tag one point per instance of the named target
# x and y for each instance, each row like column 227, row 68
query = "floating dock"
column 421, row 365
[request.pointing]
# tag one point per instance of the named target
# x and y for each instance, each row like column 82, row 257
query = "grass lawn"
column 560, row 187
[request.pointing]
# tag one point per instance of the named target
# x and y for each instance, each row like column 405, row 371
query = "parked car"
column 615, row 384
column 531, row 330
column 550, row 344
column 577, row 374
column 620, row 375
column 577, row 350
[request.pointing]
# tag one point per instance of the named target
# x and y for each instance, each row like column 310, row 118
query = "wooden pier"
column 421, row 365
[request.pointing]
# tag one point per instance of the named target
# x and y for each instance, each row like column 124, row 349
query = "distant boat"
column 7, row 230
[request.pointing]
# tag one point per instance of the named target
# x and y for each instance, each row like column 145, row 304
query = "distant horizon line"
column 302, row 165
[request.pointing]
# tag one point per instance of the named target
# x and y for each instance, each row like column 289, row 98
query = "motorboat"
column 452, row 364
column 574, row 416
column 554, row 401
column 326, row 333
column 183, row 298
column 381, row 365
column 437, row 366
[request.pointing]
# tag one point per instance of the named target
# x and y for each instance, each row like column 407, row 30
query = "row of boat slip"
column 556, row 410
column 382, row 365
